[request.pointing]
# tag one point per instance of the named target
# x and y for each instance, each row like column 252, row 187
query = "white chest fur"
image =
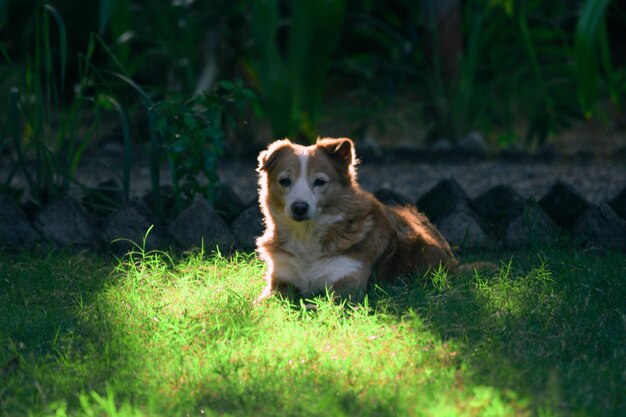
column 304, row 265
column 311, row 273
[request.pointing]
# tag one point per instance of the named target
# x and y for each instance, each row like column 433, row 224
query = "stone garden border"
column 499, row 217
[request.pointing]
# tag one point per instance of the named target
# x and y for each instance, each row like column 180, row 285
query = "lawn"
column 152, row 335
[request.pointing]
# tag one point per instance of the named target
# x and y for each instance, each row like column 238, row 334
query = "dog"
column 323, row 232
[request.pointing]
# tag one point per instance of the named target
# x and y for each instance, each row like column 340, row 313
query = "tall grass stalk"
column 459, row 103
column 127, row 160
column 62, row 43
column 156, row 147
column 539, row 125
column 40, row 124
column 155, row 157
column 291, row 85
column 154, row 165
column 591, row 52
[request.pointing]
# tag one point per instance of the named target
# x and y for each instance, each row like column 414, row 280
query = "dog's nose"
column 299, row 210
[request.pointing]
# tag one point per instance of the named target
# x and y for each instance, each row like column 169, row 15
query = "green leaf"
column 590, row 30
column 226, row 85
column 62, row 40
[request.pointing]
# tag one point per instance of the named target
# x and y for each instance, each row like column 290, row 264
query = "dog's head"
column 303, row 182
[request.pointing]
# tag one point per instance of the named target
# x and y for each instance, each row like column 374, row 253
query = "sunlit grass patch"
column 150, row 334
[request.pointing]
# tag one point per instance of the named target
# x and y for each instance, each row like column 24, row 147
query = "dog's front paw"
column 352, row 289
column 284, row 290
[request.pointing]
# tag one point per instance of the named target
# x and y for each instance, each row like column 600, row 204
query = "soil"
column 597, row 181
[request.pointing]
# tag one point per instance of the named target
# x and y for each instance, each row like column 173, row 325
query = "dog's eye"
column 319, row 182
column 285, row 182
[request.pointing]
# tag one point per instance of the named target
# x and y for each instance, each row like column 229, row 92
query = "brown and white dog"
column 324, row 231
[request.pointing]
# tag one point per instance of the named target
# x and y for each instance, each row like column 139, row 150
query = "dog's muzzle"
column 300, row 211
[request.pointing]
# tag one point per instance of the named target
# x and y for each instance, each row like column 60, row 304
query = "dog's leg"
column 267, row 292
column 352, row 287
column 274, row 287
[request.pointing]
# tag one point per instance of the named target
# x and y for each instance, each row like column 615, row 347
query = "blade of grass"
column 47, row 162
column 270, row 70
column 589, row 27
column 292, row 84
column 15, row 125
column 537, row 128
column 155, row 144
column 105, row 11
column 108, row 52
column 73, row 133
column 607, row 63
column 313, row 34
column 62, row 41
column 127, row 161
column 5, row 54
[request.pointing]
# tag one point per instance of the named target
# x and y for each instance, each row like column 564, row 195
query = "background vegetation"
column 142, row 71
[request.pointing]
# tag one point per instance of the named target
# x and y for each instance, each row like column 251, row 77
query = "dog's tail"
column 475, row 266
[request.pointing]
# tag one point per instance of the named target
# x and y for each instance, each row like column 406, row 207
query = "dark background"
column 192, row 82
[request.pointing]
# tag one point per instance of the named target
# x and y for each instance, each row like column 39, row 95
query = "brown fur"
column 386, row 241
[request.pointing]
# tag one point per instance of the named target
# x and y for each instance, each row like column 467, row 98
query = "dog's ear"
column 267, row 158
column 340, row 149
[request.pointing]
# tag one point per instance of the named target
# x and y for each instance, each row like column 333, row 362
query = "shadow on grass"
column 47, row 298
column 551, row 325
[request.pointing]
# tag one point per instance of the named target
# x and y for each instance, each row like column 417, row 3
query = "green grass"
column 153, row 336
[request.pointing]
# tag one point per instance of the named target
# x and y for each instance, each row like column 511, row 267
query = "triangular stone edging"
column 65, row 222
column 441, row 198
column 15, row 229
column 248, row 226
column 516, row 221
column 499, row 206
column 463, row 228
column 618, row 204
column 199, row 224
column 533, row 225
column 600, row 226
column 464, row 222
column 127, row 228
column 564, row 204
column 449, row 207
